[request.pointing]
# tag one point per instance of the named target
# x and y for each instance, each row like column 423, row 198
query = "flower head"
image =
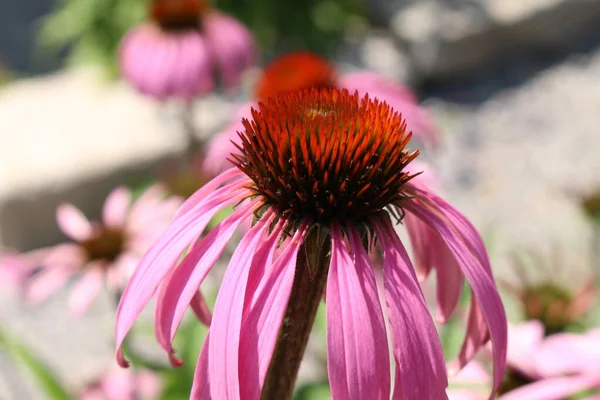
column 537, row 367
column 550, row 300
column 325, row 161
column 304, row 70
column 107, row 249
column 181, row 49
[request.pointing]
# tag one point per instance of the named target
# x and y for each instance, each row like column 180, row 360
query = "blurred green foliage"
column 25, row 359
column 91, row 29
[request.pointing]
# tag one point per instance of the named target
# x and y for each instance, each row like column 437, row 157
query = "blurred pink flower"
column 107, row 250
column 300, row 70
column 538, row 368
column 284, row 181
column 183, row 48
column 124, row 384
column 16, row 267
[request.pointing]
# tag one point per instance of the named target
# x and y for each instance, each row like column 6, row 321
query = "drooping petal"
column 87, row 289
column 183, row 284
column 553, row 389
column 265, row 313
column 419, row 235
column 163, row 255
column 466, row 245
column 523, row 343
column 568, row 353
column 208, row 188
column 227, row 320
column 116, row 208
column 232, row 46
column 201, row 309
column 73, row 223
column 476, row 336
column 421, row 370
column 449, row 279
column 357, row 351
column 201, row 385
column 47, row 282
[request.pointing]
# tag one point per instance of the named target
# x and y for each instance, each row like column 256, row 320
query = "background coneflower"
column 183, row 48
column 103, row 251
column 324, row 174
column 304, row 70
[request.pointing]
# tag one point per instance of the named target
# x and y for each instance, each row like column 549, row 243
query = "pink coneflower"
column 302, row 70
column 538, row 368
column 183, row 47
column 105, row 250
column 324, row 174
column 124, row 384
column 557, row 300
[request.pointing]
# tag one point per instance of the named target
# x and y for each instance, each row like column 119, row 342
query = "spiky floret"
column 324, row 155
column 295, row 71
column 178, row 14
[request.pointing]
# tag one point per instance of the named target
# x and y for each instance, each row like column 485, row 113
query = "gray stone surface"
column 445, row 39
column 517, row 163
column 74, row 137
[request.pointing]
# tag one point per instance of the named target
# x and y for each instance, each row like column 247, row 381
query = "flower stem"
column 194, row 145
column 307, row 291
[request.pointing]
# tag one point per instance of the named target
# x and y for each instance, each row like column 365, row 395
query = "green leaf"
column 47, row 381
column 313, row 391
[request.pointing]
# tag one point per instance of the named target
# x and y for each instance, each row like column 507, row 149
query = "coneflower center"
column 549, row 304
column 106, row 245
column 295, row 71
column 324, row 155
column 175, row 15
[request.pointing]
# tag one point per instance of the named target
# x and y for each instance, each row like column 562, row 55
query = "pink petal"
column 232, row 46
column 476, row 336
column 73, row 223
column 449, row 279
column 221, row 146
column 419, row 235
column 262, row 321
column 163, row 255
column 67, row 255
column 568, row 353
column 465, row 394
column 183, row 284
column 201, row 385
column 116, row 208
column 553, row 388
column 523, row 342
column 421, row 370
column 271, row 244
column 200, row 195
column 87, row 289
column 467, row 247
column 46, row 282
column 227, row 320
column 473, row 373
column 201, row 309
column 148, row 385
column 357, row 351
column 119, row 384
